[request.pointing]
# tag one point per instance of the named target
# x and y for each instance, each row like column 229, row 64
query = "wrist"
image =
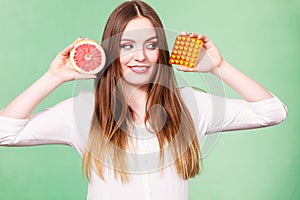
column 55, row 81
column 218, row 68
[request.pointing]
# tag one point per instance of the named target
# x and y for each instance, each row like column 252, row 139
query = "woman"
column 144, row 132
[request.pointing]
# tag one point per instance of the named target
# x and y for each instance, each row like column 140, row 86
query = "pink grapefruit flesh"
column 87, row 57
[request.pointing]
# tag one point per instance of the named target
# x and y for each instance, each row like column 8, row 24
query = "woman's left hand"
column 209, row 59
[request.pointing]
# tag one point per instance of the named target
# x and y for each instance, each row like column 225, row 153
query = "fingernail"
column 183, row 33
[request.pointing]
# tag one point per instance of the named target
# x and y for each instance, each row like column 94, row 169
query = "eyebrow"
column 131, row 40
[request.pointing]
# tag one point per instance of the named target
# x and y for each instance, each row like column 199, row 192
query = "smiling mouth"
column 139, row 69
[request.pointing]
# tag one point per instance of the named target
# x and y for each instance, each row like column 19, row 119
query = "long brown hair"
column 112, row 118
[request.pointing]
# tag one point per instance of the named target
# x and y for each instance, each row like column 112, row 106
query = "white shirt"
column 68, row 123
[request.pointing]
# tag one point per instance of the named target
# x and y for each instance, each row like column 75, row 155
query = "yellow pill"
column 186, row 63
column 189, row 54
column 187, row 43
column 182, row 43
column 184, row 53
column 183, row 57
column 185, row 48
column 181, row 62
column 176, row 47
column 199, row 41
column 191, row 65
column 172, row 61
column 176, row 61
column 179, row 52
column 194, row 56
column 195, row 51
column 175, row 52
column 193, row 40
column 181, row 47
column 183, row 38
column 197, row 46
column 192, row 45
column 187, row 59
column 188, row 39
column 192, row 60
column 190, row 49
column 177, row 42
column 173, row 56
column 178, row 57
column 179, row 38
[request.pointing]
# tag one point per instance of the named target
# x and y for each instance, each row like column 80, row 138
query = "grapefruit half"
column 87, row 57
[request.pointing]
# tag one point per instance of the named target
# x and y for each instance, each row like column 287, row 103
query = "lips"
column 139, row 69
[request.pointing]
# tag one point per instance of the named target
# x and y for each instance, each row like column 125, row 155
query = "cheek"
column 125, row 58
column 153, row 56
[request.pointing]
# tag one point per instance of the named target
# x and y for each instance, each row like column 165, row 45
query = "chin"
column 137, row 83
column 137, row 80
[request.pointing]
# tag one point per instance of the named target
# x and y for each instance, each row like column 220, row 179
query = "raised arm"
column 55, row 125
column 246, row 87
column 258, row 108
column 60, row 71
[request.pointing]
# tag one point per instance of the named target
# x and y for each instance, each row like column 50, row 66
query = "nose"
column 139, row 54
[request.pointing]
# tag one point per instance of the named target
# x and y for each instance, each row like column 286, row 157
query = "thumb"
column 67, row 50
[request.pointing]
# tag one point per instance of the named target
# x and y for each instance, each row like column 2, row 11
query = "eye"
column 126, row 46
column 151, row 46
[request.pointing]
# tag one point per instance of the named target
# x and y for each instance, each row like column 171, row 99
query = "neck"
column 136, row 98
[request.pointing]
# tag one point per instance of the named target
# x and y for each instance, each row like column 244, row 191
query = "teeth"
column 139, row 69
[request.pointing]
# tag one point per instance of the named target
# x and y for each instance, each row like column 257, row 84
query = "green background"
column 261, row 38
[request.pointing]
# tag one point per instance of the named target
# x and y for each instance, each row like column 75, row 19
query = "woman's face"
column 138, row 52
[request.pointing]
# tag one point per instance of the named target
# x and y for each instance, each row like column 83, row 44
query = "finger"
column 77, row 39
column 203, row 37
column 186, row 69
column 183, row 33
column 192, row 34
column 208, row 45
column 67, row 50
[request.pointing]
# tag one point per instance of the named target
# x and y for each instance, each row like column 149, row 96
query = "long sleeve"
column 45, row 127
column 217, row 114
column 225, row 114
column 55, row 125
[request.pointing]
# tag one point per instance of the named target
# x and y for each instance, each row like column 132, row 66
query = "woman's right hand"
column 61, row 67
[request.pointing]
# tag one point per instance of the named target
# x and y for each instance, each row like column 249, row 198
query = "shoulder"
column 83, row 109
column 77, row 112
column 83, row 100
column 200, row 102
column 192, row 95
column 195, row 100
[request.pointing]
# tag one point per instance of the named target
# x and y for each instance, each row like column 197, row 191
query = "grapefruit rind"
column 97, row 68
